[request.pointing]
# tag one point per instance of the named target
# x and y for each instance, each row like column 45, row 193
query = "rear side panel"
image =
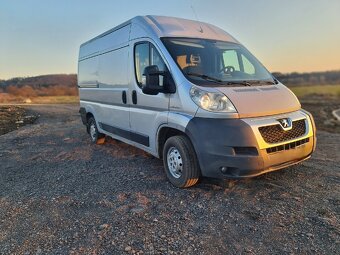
column 103, row 78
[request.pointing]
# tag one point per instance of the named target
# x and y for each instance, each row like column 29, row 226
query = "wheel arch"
column 176, row 125
column 87, row 112
column 89, row 115
column 164, row 133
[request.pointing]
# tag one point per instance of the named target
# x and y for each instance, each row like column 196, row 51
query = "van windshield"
column 209, row 62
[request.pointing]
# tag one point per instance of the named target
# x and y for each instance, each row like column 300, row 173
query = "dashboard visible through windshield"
column 209, row 62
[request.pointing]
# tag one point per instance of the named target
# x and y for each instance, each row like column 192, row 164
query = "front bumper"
column 234, row 148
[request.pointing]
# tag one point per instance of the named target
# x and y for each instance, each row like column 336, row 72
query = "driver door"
column 147, row 112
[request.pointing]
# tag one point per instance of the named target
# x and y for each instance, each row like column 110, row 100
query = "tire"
column 95, row 136
column 180, row 162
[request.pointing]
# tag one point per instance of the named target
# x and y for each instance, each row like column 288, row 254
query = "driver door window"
column 141, row 61
column 146, row 55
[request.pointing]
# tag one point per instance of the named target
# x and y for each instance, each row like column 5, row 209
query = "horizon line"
column 24, row 77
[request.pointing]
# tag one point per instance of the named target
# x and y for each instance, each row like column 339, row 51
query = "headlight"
column 213, row 102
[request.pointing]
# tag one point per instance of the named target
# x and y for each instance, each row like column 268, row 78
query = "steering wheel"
column 228, row 69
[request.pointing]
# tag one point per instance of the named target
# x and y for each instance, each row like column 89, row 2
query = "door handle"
column 134, row 97
column 124, row 97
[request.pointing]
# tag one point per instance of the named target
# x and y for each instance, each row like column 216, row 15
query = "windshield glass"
column 209, row 62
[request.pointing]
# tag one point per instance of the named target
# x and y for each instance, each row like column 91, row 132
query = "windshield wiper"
column 244, row 83
column 205, row 77
column 266, row 82
column 250, row 82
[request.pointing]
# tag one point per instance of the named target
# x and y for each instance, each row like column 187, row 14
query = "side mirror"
column 152, row 86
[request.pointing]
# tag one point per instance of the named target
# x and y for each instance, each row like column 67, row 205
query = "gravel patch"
column 60, row 194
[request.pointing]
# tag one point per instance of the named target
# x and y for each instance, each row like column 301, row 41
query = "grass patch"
column 10, row 99
column 55, row 100
column 303, row 91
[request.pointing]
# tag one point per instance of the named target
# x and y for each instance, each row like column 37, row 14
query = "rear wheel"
column 95, row 136
column 180, row 162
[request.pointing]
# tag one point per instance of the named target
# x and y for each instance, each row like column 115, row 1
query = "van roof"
column 178, row 27
column 163, row 26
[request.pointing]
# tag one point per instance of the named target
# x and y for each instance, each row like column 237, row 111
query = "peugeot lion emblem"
column 285, row 123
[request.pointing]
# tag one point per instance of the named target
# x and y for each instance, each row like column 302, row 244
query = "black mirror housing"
column 152, row 90
column 152, row 75
column 152, row 86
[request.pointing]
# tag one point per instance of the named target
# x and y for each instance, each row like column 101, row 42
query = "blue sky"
column 43, row 36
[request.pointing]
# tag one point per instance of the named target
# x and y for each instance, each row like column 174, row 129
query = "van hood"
column 259, row 101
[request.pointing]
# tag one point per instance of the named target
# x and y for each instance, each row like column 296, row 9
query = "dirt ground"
column 59, row 194
column 321, row 107
column 14, row 117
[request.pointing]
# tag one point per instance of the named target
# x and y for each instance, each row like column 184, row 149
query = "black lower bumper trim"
column 138, row 138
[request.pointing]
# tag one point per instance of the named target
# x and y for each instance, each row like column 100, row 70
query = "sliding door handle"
column 124, row 97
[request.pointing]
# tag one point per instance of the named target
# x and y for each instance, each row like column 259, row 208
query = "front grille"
column 287, row 146
column 275, row 134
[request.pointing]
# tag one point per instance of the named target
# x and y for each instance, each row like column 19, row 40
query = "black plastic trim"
column 133, row 136
column 134, row 97
column 124, row 97
column 214, row 141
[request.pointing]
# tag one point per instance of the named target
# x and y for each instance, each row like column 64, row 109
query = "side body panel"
column 103, row 79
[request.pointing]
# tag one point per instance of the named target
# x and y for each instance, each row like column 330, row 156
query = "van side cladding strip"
column 93, row 85
column 136, row 137
column 124, row 105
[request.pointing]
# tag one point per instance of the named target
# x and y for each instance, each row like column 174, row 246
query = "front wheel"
column 180, row 162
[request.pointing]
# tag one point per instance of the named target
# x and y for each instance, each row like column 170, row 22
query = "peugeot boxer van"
column 190, row 93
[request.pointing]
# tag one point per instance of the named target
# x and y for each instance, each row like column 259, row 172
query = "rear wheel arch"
column 89, row 115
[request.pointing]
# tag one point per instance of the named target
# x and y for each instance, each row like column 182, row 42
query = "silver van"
column 191, row 94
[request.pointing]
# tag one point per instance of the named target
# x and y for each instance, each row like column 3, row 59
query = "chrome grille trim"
column 275, row 133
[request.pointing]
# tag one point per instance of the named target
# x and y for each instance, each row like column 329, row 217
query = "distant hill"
column 43, row 85
column 42, row 81
column 315, row 78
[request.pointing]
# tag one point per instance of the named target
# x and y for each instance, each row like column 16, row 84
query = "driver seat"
column 193, row 64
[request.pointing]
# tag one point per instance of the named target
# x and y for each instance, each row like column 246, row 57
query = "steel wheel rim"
column 175, row 163
column 93, row 132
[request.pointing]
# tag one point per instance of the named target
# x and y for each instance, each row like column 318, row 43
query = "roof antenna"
column 193, row 10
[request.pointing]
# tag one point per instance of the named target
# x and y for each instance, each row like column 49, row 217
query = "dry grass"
column 56, row 100
column 56, row 94
column 10, row 99
column 303, row 91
